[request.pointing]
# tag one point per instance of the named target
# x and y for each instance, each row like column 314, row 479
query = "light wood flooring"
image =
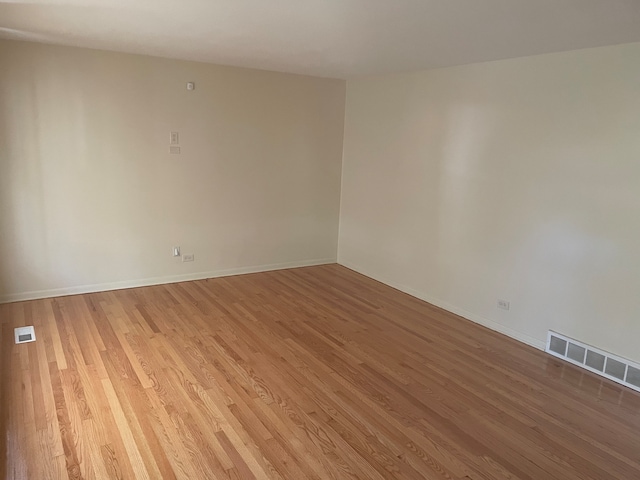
column 310, row 373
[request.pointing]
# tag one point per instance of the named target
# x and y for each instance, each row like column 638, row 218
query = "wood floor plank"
column 311, row 373
column 133, row 452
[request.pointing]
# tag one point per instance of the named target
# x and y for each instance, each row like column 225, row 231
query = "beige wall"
column 516, row 179
column 90, row 198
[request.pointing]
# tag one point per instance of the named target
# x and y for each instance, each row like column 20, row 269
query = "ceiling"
column 329, row 38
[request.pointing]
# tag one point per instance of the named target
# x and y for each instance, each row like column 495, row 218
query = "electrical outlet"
column 503, row 304
column 174, row 150
column 174, row 138
column 189, row 257
column 176, row 251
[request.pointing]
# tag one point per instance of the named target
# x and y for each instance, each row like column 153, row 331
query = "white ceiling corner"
column 329, row 38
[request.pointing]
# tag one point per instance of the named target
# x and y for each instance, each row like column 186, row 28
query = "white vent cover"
column 595, row 360
column 25, row 334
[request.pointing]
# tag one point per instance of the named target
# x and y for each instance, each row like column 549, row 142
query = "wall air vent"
column 25, row 334
column 595, row 360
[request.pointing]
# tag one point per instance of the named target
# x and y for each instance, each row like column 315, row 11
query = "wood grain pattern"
column 310, row 373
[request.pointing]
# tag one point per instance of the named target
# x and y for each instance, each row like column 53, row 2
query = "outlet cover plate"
column 503, row 304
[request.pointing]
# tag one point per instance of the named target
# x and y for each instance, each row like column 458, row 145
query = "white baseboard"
column 145, row 282
column 509, row 332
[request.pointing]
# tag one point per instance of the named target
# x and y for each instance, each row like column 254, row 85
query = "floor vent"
column 25, row 334
column 595, row 360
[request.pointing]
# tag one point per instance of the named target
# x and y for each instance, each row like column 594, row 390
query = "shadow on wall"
column 23, row 195
column 69, row 173
column 5, row 197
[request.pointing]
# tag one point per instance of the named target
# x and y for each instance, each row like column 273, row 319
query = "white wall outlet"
column 191, row 86
column 174, row 150
column 503, row 304
column 174, row 138
column 176, row 251
column 189, row 257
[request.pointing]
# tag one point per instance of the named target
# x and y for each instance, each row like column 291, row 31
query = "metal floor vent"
column 595, row 360
column 25, row 334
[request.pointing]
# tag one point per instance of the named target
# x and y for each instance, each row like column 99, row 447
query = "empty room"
column 330, row 239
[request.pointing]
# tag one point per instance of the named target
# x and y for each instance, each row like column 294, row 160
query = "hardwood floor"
column 315, row 373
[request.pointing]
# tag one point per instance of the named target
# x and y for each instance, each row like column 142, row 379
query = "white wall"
column 517, row 179
column 90, row 197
